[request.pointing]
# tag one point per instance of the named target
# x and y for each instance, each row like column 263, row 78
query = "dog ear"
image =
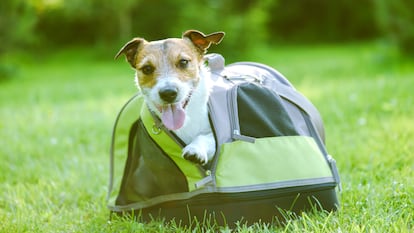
column 130, row 50
column 201, row 41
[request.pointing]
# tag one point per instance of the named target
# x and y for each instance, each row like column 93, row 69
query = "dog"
column 175, row 83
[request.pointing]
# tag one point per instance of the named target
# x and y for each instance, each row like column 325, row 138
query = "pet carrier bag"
column 270, row 155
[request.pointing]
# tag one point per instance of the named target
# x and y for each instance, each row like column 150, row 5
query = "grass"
column 57, row 116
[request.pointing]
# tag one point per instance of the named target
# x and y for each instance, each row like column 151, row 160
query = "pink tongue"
column 173, row 116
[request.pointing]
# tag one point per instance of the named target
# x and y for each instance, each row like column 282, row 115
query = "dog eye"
column 183, row 63
column 147, row 69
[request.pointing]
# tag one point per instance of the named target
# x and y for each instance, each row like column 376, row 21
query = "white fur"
column 196, row 131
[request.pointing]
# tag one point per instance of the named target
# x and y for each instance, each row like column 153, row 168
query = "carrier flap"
column 148, row 171
column 172, row 148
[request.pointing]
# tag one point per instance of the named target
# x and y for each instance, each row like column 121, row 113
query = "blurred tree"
column 75, row 22
column 107, row 21
column 123, row 11
column 244, row 22
column 156, row 19
column 396, row 20
column 17, row 21
column 323, row 20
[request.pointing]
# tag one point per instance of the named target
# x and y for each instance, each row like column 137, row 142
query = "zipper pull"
column 334, row 169
column 238, row 136
column 156, row 129
column 206, row 180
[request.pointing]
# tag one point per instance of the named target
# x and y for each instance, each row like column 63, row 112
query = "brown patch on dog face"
column 167, row 58
column 146, row 67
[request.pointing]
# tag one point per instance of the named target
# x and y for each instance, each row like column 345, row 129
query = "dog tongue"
column 173, row 116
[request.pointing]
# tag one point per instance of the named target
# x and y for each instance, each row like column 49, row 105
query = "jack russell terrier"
column 175, row 83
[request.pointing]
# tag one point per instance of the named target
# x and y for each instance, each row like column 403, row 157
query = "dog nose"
column 168, row 94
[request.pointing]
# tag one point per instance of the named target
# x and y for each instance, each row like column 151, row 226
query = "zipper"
column 246, row 78
column 331, row 161
column 214, row 197
column 234, row 126
column 335, row 172
column 158, row 126
column 220, row 197
column 234, row 117
column 232, row 106
column 159, row 147
column 210, row 177
column 313, row 133
column 231, row 100
column 264, row 194
column 206, row 180
column 177, row 140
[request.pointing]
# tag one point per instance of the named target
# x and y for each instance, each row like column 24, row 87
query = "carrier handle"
column 112, row 149
column 215, row 62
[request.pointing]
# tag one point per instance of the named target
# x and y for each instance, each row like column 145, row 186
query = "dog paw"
column 195, row 155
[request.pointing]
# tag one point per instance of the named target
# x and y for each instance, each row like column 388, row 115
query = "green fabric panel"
column 170, row 147
column 268, row 160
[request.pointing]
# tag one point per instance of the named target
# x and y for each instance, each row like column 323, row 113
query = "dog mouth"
column 173, row 115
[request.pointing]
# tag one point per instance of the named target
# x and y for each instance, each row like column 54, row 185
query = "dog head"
column 167, row 71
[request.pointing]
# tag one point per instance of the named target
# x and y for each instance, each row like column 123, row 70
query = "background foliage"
column 83, row 22
column 60, row 91
column 40, row 25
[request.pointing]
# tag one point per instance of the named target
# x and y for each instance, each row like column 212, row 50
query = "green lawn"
column 57, row 116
